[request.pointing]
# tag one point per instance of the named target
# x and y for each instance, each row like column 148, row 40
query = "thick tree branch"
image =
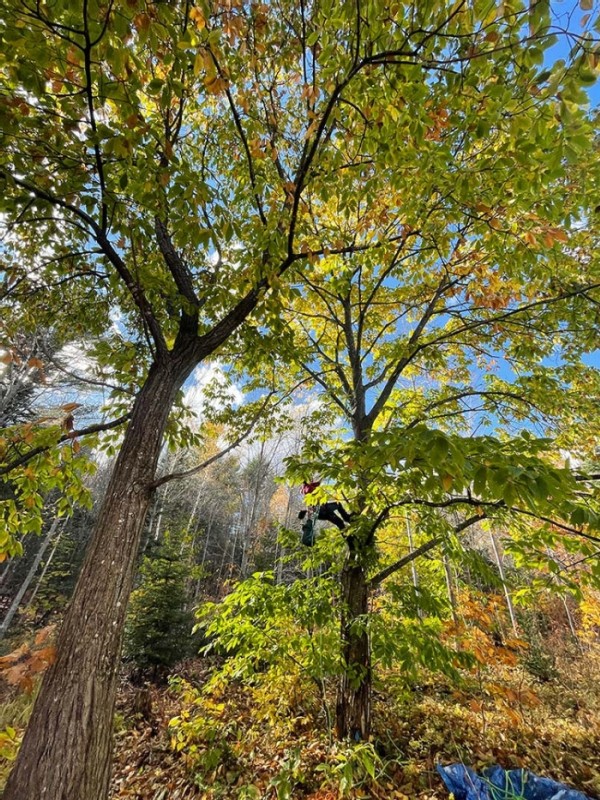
column 209, row 342
column 108, row 251
column 475, row 502
column 377, row 579
column 87, row 63
column 593, row 476
column 183, row 280
column 176, row 265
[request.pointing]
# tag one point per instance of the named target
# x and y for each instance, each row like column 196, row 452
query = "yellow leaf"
column 215, row 85
column 198, row 18
column 447, row 482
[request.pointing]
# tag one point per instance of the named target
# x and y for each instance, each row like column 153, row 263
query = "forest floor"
column 269, row 740
column 199, row 735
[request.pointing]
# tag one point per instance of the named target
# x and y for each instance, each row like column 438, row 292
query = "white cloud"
column 201, row 385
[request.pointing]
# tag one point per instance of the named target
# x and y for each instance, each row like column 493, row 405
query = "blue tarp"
column 496, row 783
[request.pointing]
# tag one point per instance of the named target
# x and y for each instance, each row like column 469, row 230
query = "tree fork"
column 72, row 721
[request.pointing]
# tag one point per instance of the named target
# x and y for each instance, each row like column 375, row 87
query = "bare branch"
column 401, row 364
column 199, row 467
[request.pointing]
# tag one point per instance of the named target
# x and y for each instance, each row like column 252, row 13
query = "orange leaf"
column 198, row 18
column 142, row 22
column 41, row 659
column 215, row 85
column 15, row 675
column 70, row 407
column 11, row 658
column 43, row 634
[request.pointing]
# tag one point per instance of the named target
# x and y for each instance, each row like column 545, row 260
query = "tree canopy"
column 396, row 199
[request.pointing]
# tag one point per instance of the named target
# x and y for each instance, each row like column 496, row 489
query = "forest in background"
column 250, row 246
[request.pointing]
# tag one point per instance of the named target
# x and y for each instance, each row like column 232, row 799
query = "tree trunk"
column 353, row 710
column 509, row 604
column 450, row 587
column 72, row 721
column 28, row 578
column 47, row 563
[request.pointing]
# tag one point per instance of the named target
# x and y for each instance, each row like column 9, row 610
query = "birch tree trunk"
column 46, row 567
column 509, row 604
column 27, row 581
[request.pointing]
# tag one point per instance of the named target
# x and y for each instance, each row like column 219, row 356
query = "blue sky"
column 569, row 14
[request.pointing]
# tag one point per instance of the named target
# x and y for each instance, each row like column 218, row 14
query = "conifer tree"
column 159, row 623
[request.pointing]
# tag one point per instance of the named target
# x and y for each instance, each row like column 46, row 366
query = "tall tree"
column 165, row 165
column 479, row 313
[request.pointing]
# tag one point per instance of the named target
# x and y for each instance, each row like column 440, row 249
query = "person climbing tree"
column 332, row 512
column 309, row 486
column 329, row 512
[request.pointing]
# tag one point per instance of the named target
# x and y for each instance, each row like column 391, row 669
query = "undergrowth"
column 215, row 735
column 267, row 738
